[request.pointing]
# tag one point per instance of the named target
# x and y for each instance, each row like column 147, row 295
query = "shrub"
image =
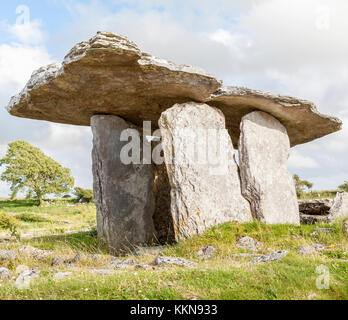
column 84, row 195
column 10, row 223
column 29, row 217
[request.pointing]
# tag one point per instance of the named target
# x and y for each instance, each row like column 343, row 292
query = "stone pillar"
column 204, row 192
column 264, row 149
column 123, row 193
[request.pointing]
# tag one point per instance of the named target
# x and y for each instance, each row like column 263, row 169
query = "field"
column 65, row 229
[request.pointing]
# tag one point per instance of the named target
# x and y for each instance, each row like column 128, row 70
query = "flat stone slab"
column 110, row 75
column 264, row 150
column 205, row 189
column 301, row 118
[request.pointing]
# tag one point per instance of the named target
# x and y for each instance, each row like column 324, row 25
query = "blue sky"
column 291, row 47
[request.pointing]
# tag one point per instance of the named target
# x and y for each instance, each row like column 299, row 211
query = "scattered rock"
column 207, row 252
column 63, row 221
column 21, row 268
column 24, row 279
column 103, row 272
column 313, row 219
column 144, row 267
column 305, row 251
column 318, row 246
column 244, row 255
column 79, row 257
column 8, row 255
column 5, row 274
column 345, row 227
column 153, row 251
column 247, row 243
column 61, row 275
column 325, row 230
column 165, row 261
column 59, row 261
column 34, row 253
column 98, row 257
column 271, row 257
column 121, row 264
column 264, row 149
column 205, row 192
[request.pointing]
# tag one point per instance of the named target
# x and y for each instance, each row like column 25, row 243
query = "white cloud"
column 27, row 33
column 299, row 161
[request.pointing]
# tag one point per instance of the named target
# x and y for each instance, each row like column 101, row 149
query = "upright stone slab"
column 264, row 149
column 339, row 207
column 204, row 192
column 123, row 193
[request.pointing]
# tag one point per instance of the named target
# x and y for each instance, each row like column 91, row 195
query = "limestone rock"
column 8, row 255
column 21, row 268
column 205, row 183
column 103, row 272
column 271, row 257
column 166, row 261
column 248, row 243
column 313, row 219
column 123, row 193
column 109, row 75
column 266, row 182
column 35, row 253
column 121, row 264
column 5, row 274
column 207, row 252
column 339, row 207
column 305, row 251
column 298, row 116
column 345, row 227
column 62, row 275
column 24, row 279
column 317, row 207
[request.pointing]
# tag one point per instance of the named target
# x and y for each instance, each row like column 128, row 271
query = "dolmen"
column 164, row 136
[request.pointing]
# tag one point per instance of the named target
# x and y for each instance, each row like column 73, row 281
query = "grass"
column 221, row 277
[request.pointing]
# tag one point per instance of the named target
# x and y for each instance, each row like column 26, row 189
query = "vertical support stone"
column 123, row 193
column 205, row 192
column 264, row 149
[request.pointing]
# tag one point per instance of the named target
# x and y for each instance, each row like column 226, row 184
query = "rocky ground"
column 234, row 261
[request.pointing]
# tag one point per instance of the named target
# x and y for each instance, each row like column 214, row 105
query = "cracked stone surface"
column 247, row 243
column 305, row 250
column 5, row 274
column 264, row 150
column 123, row 193
column 9, row 255
column 204, row 192
column 271, row 257
column 339, row 207
column 108, row 74
column 207, row 252
column 298, row 116
column 166, row 261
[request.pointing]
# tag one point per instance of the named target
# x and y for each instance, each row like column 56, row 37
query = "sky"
column 292, row 47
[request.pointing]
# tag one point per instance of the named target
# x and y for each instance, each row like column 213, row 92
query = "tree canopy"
column 28, row 169
column 301, row 185
column 344, row 186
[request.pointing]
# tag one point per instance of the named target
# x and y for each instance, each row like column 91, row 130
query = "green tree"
column 28, row 169
column 344, row 186
column 301, row 185
column 84, row 195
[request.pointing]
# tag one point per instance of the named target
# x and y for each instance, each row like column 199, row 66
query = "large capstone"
column 202, row 170
column 123, row 192
column 264, row 149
